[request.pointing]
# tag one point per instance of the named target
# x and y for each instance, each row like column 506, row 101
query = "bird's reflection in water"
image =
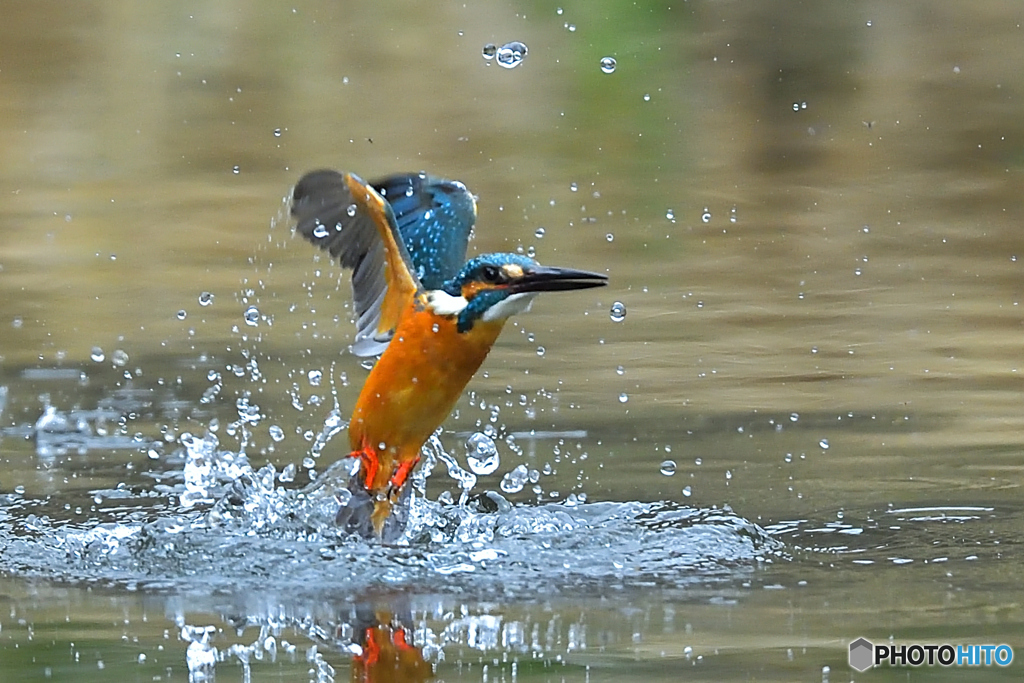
column 387, row 653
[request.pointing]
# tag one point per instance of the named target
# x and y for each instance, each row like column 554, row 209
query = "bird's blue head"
column 497, row 286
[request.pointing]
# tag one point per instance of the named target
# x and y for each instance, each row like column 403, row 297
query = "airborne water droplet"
column 205, row 299
column 97, row 354
column 608, row 65
column 623, row 397
column 539, row 233
column 668, row 467
column 481, row 454
column 511, row 54
column 119, row 358
column 618, row 312
column 490, row 49
column 252, row 316
column 351, row 210
column 514, row 481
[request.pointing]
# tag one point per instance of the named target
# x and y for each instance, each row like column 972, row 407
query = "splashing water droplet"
column 706, row 216
column 671, row 215
column 541, row 350
column 618, row 312
column 668, row 467
column 314, row 377
column 539, row 233
column 824, row 444
column 620, row 370
column 252, row 316
column 623, row 397
column 351, row 210
column 97, row 354
column 481, row 454
column 205, row 299
column 687, row 491
column 182, row 314
column 119, row 358
column 514, row 481
column 511, row 54
column 276, row 433
column 609, row 237
column 490, row 49
column 236, row 170
column 320, row 231
column 608, row 65
column 277, row 132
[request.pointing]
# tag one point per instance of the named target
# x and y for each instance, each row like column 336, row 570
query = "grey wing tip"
column 316, row 189
column 324, row 214
column 366, row 347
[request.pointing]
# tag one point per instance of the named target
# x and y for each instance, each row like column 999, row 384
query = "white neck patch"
column 510, row 306
column 443, row 303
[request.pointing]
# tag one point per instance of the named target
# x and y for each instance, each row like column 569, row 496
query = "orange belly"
column 414, row 386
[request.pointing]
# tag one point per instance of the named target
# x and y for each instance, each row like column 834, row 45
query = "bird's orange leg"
column 371, row 463
column 402, row 473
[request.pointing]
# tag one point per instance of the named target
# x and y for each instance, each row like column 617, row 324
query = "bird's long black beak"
column 545, row 279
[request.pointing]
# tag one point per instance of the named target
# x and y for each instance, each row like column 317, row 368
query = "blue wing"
column 430, row 220
column 435, row 217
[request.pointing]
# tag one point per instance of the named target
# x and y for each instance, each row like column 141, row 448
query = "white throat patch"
column 443, row 303
column 506, row 308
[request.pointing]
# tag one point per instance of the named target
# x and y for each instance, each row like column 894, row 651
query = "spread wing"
column 348, row 218
column 435, row 217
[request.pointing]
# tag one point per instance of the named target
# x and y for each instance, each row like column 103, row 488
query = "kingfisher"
column 429, row 314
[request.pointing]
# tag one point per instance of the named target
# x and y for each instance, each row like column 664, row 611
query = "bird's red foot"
column 402, row 473
column 368, row 457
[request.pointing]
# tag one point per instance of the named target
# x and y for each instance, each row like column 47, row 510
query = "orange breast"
column 415, row 384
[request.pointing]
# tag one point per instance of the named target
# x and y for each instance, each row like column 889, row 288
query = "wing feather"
column 350, row 220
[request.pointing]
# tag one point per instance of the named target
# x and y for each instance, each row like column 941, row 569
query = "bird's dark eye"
column 492, row 274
